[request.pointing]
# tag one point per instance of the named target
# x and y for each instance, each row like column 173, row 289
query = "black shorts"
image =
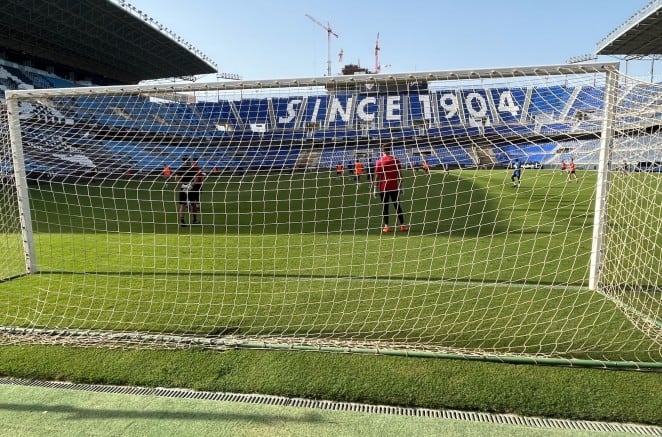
column 184, row 197
column 194, row 196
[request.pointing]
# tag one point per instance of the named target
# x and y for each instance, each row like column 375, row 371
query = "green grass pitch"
column 485, row 266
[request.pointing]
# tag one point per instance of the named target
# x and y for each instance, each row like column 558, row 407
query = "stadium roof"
column 640, row 35
column 101, row 37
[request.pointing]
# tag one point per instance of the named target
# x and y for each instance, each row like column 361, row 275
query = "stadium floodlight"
column 105, row 240
column 582, row 58
column 230, row 76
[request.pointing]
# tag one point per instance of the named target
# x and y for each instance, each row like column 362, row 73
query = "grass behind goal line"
column 486, row 266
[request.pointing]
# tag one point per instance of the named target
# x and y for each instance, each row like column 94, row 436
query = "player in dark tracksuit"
column 185, row 177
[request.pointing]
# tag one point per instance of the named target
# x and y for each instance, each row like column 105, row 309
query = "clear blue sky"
column 269, row 39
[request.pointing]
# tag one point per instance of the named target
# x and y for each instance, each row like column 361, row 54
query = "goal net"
column 256, row 213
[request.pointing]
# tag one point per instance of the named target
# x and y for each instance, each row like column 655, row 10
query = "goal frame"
column 602, row 187
column 603, row 131
column 22, row 194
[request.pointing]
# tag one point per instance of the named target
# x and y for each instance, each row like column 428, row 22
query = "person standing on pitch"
column 358, row 170
column 185, row 175
column 388, row 180
column 517, row 173
column 194, row 193
column 572, row 170
column 339, row 170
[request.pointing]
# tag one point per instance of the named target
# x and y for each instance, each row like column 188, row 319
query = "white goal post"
column 527, row 228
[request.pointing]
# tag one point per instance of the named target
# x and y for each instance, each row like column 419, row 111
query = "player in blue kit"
column 517, row 173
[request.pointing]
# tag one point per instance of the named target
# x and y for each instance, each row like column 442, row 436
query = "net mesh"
column 498, row 180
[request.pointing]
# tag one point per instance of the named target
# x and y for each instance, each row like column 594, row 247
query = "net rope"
column 290, row 247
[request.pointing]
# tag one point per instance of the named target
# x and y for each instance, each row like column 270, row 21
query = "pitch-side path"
column 61, row 409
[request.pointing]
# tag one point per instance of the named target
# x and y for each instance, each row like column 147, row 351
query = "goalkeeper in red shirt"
column 388, row 180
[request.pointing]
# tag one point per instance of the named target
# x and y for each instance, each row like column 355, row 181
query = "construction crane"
column 378, row 66
column 329, row 32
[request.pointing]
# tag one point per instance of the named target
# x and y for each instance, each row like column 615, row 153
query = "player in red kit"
column 387, row 183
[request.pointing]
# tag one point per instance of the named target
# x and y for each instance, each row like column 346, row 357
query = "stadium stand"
column 224, row 133
column 254, row 121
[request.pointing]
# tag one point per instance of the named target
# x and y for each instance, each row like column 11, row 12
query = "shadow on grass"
column 77, row 413
column 307, row 276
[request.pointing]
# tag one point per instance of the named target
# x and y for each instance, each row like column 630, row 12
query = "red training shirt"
column 387, row 171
